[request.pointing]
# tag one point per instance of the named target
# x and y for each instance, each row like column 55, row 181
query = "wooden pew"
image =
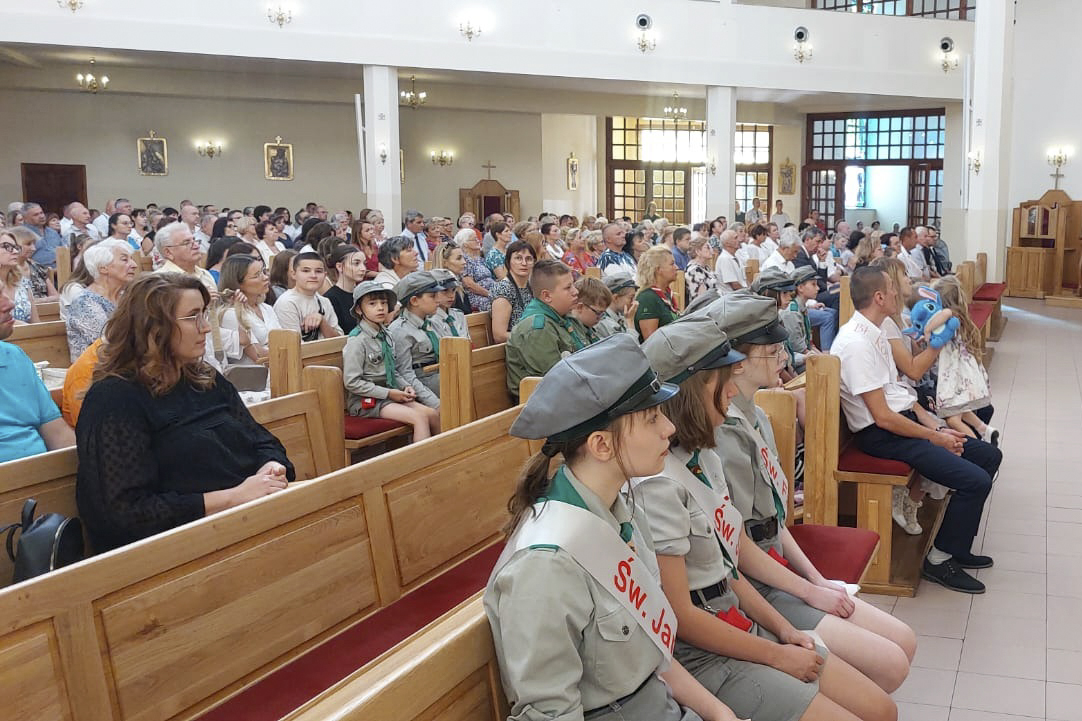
column 63, row 266
column 43, row 342
column 751, row 270
column 480, row 325
column 299, row 420
column 593, row 272
column 174, row 625
column 992, row 293
column 473, row 382
column 48, row 310
column 146, row 262
column 831, row 460
column 448, row 671
column 845, row 302
column 680, row 291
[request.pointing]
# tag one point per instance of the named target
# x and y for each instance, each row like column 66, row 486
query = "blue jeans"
column 826, row 320
column 969, row 475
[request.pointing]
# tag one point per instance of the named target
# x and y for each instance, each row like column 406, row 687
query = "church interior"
column 355, row 594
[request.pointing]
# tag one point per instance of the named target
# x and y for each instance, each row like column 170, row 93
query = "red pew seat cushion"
column 990, row 291
column 358, row 428
column 854, row 460
column 840, row 553
column 980, row 312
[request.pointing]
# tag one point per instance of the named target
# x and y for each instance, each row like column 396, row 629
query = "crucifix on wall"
column 489, row 167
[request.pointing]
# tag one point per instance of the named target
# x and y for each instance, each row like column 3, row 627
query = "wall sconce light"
column 1057, row 158
column 712, row 166
column 469, row 31
column 948, row 59
column 974, row 157
column 209, row 149
column 443, row 157
column 411, row 97
column 280, row 16
column 72, row 5
column 383, row 153
column 676, row 111
column 802, row 47
column 646, row 42
column 90, row 82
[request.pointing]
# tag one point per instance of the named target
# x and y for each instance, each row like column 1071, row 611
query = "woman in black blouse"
column 163, row 439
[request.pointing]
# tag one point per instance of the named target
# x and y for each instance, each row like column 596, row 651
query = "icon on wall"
column 278, row 160
column 572, row 173
column 788, row 175
column 153, row 155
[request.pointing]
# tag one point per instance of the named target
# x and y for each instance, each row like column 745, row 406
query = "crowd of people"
column 666, row 458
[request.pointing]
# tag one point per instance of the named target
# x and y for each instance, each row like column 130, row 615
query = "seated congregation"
column 650, row 566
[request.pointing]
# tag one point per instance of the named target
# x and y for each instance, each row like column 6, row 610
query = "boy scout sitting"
column 449, row 320
column 621, row 311
column 545, row 334
column 375, row 385
column 593, row 302
column 416, row 344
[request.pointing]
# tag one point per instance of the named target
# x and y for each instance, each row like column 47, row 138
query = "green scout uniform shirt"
column 537, row 342
column 653, row 306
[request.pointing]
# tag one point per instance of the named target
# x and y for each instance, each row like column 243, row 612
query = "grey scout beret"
column 773, row 279
column 445, row 278
column 371, row 286
column 417, row 282
column 618, row 281
column 803, row 274
column 748, row 318
column 680, row 349
column 589, row 389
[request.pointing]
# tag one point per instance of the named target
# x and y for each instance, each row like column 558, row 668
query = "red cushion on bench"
column 990, row 291
column 840, row 554
column 980, row 312
column 358, row 428
column 306, row 677
column 854, row 460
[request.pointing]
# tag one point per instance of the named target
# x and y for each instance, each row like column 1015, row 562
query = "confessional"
column 1044, row 257
column 488, row 197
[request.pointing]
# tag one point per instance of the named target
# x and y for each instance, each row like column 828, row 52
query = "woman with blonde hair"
column 449, row 256
column 868, row 249
column 577, row 256
column 35, row 273
column 15, row 286
column 245, row 227
column 655, row 273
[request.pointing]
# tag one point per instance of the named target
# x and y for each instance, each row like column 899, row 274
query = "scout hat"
column 700, row 302
column 618, row 282
column 416, row 283
column 445, row 278
column 774, row 279
column 371, row 286
column 681, row 349
column 803, row 274
column 609, row 379
column 748, row 318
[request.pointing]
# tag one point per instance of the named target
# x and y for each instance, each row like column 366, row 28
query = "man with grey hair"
column 178, row 246
column 206, row 227
column 48, row 240
column 120, row 205
column 788, row 245
column 80, row 223
column 413, row 228
column 727, row 268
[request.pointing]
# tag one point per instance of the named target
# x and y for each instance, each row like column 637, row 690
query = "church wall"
column 562, row 135
column 788, row 143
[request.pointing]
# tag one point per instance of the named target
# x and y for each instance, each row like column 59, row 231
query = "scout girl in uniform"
column 581, row 627
column 877, row 644
column 448, row 320
column 416, row 343
column 770, row 670
column 376, row 386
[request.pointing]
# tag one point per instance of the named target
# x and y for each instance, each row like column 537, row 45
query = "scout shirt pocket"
column 608, row 651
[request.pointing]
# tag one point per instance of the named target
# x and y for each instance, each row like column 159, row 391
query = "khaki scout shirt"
column 363, row 369
column 537, row 342
column 751, row 492
column 413, row 350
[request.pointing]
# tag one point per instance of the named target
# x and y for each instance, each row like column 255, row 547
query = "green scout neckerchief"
column 560, row 489
column 432, row 338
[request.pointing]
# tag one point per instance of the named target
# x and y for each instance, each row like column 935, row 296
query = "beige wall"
column 562, row 135
column 788, row 144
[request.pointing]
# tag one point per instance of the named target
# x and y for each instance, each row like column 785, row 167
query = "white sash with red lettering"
column 599, row 550
column 768, row 463
column 715, row 502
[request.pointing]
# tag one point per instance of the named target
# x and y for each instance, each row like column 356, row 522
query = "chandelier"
column 676, row 111
column 90, row 82
column 411, row 97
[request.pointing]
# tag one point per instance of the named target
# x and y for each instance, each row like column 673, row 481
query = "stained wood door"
column 53, row 185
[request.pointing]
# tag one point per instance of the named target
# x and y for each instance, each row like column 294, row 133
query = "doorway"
column 53, row 185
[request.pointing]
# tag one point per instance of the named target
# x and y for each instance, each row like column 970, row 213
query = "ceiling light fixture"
column 281, row 17
column 469, row 31
column 72, row 5
column 676, row 111
column 90, row 82
column 411, row 97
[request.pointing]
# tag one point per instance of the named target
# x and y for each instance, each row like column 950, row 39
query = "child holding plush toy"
column 963, row 382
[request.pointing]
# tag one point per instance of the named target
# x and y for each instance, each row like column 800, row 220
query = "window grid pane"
column 943, row 9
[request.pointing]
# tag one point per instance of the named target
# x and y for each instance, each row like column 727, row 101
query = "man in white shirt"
column 80, row 223
column 912, row 255
column 730, row 274
column 180, row 249
column 413, row 228
column 753, row 249
column 783, row 256
column 879, row 410
column 206, row 227
column 754, row 215
column 780, row 218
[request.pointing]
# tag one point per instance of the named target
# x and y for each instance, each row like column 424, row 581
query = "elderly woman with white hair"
column 111, row 266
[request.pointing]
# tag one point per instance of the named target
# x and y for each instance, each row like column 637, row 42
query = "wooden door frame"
column 82, row 181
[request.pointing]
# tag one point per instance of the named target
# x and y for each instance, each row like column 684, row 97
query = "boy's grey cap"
column 680, row 349
column 445, row 278
column 372, row 286
column 748, row 318
column 773, row 279
column 803, row 274
column 589, row 389
column 417, row 282
column 618, row 281
column 700, row 302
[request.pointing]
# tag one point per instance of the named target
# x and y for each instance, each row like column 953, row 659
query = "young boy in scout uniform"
column 776, row 284
column 415, row 340
column 374, row 375
column 877, row 644
column 591, row 306
column 571, row 642
column 449, row 320
column 544, row 334
column 772, row 671
column 623, row 305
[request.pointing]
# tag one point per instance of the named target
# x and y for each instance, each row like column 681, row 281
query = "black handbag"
column 46, row 543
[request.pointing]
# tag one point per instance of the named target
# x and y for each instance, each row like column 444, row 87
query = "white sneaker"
column 933, row 489
column 897, row 508
column 909, row 509
column 991, row 435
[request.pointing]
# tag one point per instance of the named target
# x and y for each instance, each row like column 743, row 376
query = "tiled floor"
column 1015, row 652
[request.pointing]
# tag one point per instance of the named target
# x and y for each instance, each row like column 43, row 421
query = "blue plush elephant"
column 930, row 320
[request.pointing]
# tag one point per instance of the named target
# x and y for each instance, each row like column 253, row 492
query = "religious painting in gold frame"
column 278, row 160
column 152, row 155
column 572, row 173
column 788, row 177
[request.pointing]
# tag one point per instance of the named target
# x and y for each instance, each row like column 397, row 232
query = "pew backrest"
column 751, row 270
column 63, row 265
column 288, row 357
column 48, row 310
column 780, row 407
column 680, row 291
column 822, row 438
column 473, row 382
column 43, row 342
column 480, row 325
column 845, row 302
column 980, row 276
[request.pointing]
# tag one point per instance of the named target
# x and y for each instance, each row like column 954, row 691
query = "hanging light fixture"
column 72, row 5
column 90, row 82
column 411, row 97
column 676, row 111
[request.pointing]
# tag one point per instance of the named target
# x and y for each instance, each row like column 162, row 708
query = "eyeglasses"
column 593, row 310
column 9, row 247
column 192, row 242
column 202, row 318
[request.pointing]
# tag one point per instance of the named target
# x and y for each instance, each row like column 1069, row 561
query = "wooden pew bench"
column 993, row 293
column 48, row 310
column 43, row 342
column 174, row 625
column 473, row 382
column 297, row 420
column 833, row 463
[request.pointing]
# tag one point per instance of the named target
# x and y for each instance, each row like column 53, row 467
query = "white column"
column 988, row 216
column 382, row 144
column 720, row 134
